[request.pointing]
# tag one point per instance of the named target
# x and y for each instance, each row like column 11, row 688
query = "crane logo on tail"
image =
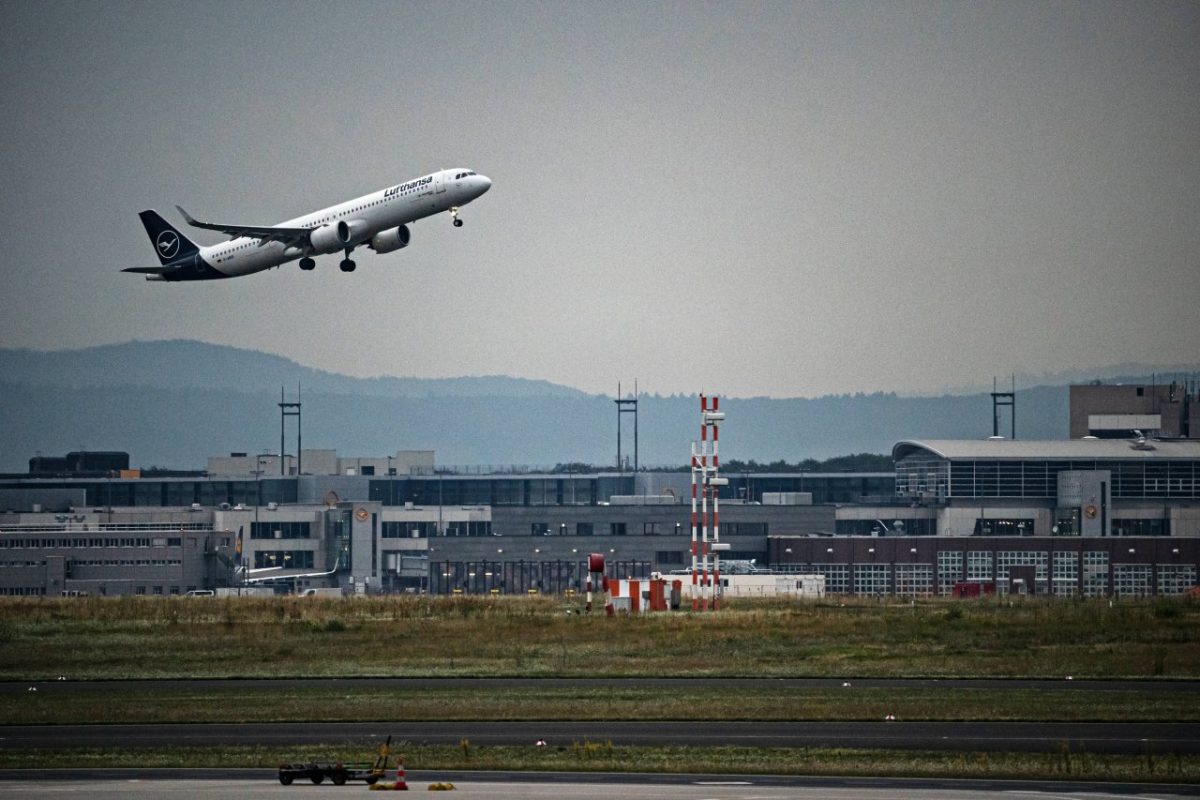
column 167, row 243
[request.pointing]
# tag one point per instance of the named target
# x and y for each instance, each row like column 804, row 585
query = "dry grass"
column 131, row 703
column 403, row 636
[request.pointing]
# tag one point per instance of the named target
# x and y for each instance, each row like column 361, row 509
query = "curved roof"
column 1048, row 450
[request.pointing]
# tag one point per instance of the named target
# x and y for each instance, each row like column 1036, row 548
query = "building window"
column 950, row 571
column 1095, row 573
column 666, row 557
column 1141, row 527
column 1175, row 579
column 837, row 577
column 540, row 529
column 1132, row 580
column 914, row 580
column 583, row 529
column 1003, row 527
column 280, row 530
column 471, row 528
column 872, row 579
column 617, row 528
column 1066, row 574
column 409, row 530
column 744, row 529
column 1021, row 558
column 979, row 566
column 285, row 559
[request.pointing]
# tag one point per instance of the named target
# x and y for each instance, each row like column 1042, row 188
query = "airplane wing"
column 289, row 237
column 279, row 575
column 287, row 576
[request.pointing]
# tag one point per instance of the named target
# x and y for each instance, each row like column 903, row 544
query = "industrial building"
column 1124, row 411
column 1079, row 517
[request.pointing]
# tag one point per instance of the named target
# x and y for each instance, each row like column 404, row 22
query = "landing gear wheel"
column 458, row 223
column 454, row 216
column 347, row 265
column 307, row 264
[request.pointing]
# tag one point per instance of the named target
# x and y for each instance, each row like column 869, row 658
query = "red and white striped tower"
column 695, row 482
column 715, row 482
column 597, row 575
column 704, row 584
column 704, row 485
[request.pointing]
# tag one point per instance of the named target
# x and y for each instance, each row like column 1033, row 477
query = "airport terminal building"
column 1080, row 517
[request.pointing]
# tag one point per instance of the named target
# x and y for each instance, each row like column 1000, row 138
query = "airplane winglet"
column 189, row 218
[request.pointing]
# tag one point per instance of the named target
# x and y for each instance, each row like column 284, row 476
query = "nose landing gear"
column 346, row 264
column 454, row 215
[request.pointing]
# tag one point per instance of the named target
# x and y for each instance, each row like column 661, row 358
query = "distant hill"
column 190, row 364
column 174, row 403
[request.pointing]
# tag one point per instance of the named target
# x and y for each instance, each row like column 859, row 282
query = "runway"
column 254, row 784
column 1029, row 737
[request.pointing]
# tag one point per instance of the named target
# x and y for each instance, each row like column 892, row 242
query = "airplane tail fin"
column 169, row 243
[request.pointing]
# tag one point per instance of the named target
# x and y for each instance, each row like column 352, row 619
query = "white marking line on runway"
column 1088, row 795
column 722, row 783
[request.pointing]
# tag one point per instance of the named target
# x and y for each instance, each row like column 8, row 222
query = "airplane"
column 276, row 574
column 379, row 220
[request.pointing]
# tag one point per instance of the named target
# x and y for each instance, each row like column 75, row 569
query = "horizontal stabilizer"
column 150, row 270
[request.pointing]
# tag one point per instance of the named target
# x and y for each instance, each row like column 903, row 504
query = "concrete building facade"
column 1117, row 411
column 1109, row 517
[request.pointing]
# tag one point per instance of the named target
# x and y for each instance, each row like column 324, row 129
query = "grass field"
column 129, row 638
column 312, row 637
column 131, row 703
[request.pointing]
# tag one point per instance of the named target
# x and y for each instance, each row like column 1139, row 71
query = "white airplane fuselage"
column 377, row 221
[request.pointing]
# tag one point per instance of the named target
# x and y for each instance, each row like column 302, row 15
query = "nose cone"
column 485, row 183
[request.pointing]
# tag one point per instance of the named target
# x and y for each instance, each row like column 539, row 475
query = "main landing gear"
column 454, row 216
column 345, row 265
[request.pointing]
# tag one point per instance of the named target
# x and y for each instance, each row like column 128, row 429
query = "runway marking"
column 1089, row 795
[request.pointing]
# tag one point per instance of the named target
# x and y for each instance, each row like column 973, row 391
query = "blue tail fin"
column 169, row 244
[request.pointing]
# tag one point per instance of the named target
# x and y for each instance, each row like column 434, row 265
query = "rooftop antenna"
column 289, row 410
column 1004, row 399
column 627, row 406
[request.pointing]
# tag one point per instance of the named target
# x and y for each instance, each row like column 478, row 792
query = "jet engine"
column 338, row 236
column 389, row 240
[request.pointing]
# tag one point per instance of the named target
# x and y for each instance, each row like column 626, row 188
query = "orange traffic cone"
column 401, row 782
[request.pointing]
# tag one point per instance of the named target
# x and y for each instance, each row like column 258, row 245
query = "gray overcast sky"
column 747, row 198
